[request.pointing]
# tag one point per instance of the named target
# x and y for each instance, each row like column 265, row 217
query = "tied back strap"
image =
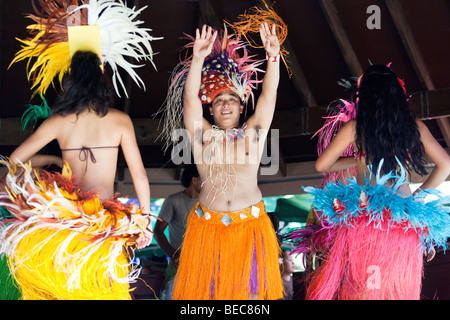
column 86, row 153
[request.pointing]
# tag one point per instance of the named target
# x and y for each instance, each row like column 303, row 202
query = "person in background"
column 287, row 267
column 174, row 213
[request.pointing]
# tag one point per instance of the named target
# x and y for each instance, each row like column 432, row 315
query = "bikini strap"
column 86, row 153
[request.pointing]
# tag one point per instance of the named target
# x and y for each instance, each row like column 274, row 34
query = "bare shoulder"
column 348, row 129
column 54, row 122
column 424, row 132
column 120, row 118
column 351, row 124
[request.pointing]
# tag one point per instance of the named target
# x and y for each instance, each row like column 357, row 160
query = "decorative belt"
column 244, row 215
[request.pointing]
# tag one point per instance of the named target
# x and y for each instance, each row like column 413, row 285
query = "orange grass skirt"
column 226, row 256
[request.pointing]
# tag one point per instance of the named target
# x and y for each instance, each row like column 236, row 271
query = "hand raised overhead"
column 204, row 42
column 269, row 39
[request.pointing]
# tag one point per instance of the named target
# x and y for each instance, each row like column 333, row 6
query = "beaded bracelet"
column 272, row 59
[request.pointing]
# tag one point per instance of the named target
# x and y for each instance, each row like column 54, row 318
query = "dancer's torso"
column 90, row 146
column 233, row 186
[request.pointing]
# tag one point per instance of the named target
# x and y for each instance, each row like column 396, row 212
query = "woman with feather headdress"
column 69, row 236
column 375, row 231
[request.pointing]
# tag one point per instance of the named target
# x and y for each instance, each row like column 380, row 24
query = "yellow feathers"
column 65, row 243
column 51, row 61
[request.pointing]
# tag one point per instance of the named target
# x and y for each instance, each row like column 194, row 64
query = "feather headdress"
column 340, row 112
column 120, row 34
column 250, row 22
column 228, row 67
column 34, row 113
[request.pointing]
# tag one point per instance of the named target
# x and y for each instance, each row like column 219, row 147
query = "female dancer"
column 376, row 229
column 75, row 230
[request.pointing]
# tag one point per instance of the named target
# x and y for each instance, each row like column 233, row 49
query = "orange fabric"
column 216, row 260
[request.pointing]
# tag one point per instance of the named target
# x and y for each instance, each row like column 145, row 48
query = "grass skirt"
column 371, row 240
column 227, row 256
column 63, row 243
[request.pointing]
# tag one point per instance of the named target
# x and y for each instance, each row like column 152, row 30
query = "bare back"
column 95, row 164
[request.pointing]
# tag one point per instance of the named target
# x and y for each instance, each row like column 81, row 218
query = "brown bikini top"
column 86, row 153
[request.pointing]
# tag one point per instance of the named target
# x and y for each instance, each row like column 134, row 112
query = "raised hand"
column 269, row 39
column 204, row 42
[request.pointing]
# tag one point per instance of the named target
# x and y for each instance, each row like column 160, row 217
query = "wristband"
column 273, row 59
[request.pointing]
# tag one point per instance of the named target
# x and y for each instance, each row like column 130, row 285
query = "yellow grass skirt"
column 232, row 255
column 63, row 243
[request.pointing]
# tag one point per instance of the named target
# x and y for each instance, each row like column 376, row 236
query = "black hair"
column 85, row 87
column 189, row 172
column 385, row 124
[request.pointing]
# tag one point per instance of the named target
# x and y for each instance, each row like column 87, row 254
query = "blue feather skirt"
column 363, row 226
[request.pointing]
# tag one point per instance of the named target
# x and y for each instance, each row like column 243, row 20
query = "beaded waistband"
column 244, row 215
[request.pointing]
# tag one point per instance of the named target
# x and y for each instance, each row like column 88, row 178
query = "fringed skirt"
column 371, row 240
column 63, row 243
column 232, row 255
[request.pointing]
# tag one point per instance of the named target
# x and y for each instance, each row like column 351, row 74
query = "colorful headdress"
column 340, row 111
column 250, row 22
column 112, row 32
column 224, row 69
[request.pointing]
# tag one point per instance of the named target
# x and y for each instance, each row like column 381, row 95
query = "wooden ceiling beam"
column 413, row 50
column 291, row 122
column 208, row 15
column 407, row 37
column 344, row 44
column 298, row 76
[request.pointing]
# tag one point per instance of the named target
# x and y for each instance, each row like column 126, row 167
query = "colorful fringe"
column 48, row 42
column 250, row 22
column 340, row 112
column 63, row 243
column 8, row 287
column 372, row 239
column 231, row 255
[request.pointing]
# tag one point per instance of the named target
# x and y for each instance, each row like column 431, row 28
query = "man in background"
column 174, row 213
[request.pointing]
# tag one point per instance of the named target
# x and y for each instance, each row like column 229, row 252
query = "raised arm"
column 193, row 111
column 265, row 106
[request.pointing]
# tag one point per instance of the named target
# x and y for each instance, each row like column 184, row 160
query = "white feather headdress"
column 121, row 35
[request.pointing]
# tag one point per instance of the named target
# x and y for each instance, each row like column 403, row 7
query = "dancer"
column 230, row 250
column 80, row 219
column 376, row 230
column 70, row 237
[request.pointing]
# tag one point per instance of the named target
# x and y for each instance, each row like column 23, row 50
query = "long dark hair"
column 386, row 126
column 85, row 87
